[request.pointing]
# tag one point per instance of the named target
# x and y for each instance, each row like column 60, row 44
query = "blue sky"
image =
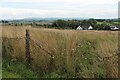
column 17, row 9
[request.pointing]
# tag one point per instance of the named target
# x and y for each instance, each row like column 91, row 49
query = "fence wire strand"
column 38, row 45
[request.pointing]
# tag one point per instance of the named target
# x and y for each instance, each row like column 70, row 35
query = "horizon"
column 98, row 9
column 44, row 18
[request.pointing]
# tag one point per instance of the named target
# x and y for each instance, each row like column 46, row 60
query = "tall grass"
column 76, row 53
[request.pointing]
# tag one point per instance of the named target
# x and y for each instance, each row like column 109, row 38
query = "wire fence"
column 12, row 47
column 38, row 45
column 45, row 59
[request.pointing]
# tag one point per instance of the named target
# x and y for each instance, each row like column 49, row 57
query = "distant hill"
column 37, row 19
column 32, row 19
column 52, row 19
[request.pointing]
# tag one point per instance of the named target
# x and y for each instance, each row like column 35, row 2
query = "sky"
column 19, row 9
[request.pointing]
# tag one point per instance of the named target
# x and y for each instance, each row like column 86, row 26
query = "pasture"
column 76, row 53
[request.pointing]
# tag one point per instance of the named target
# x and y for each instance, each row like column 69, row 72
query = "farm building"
column 84, row 28
column 90, row 28
column 114, row 28
column 79, row 28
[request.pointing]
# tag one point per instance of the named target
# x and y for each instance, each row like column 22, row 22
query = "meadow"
column 76, row 53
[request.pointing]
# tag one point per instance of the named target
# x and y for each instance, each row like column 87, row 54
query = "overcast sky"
column 17, row 9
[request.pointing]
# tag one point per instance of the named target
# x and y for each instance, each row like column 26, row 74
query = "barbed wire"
column 107, row 57
column 21, row 37
column 49, row 53
column 106, row 61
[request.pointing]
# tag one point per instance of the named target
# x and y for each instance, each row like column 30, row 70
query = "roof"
column 90, row 27
column 79, row 27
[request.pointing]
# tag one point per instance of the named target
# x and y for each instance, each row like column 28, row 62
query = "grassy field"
column 76, row 53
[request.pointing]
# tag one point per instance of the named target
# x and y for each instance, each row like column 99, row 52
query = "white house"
column 79, row 28
column 114, row 28
column 90, row 28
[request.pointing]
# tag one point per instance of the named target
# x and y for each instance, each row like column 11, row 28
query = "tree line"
column 97, row 24
column 73, row 24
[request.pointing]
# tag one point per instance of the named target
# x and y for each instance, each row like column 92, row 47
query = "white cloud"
column 22, row 13
column 61, row 8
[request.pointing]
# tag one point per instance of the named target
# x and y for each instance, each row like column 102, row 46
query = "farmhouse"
column 90, row 28
column 79, row 28
column 114, row 28
column 84, row 28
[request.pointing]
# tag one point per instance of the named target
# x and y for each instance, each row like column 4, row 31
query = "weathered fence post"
column 28, row 57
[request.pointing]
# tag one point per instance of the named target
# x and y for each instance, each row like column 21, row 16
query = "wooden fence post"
column 28, row 57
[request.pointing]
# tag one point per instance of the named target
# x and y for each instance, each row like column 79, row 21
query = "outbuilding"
column 90, row 28
column 79, row 28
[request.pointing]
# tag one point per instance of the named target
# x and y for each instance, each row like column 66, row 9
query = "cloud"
column 12, row 9
column 14, row 13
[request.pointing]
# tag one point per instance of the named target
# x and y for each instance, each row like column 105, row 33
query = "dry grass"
column 60, row 43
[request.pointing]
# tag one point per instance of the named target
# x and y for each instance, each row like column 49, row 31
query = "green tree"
column 93, row 23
